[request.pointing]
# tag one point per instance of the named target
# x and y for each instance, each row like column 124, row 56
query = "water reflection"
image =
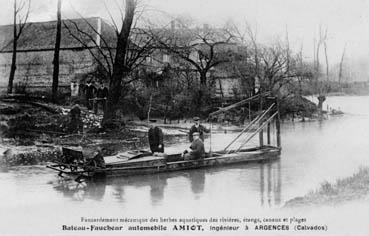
column 273, row 189
column 197, row 181
column 94, row 190
column 157, row 188
column 158, row 183
column 269, row 178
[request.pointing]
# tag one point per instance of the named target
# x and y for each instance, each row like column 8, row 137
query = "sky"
column 347, row 22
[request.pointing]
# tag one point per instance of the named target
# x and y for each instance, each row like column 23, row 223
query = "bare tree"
column 341, row 65
column 116, row 55
column 322, row 40
column 200, row 47
column 21, row 12
column 326, row 60
column 249, row 69
column 56, row 54
column 252, row 34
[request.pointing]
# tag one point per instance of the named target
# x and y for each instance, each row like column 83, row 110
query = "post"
column 56, row 59
column 278, row 125
column 268, row 134
column 211, row 131
column 261, row 137
column 249, row 111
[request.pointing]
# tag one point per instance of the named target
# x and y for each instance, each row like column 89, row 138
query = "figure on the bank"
column 197, row 149
column 155, row 136
column 102, row 95
column 76, row 123
column 90, row 91
column 197, row 127
column 74, row 89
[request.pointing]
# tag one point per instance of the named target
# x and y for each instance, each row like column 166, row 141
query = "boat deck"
column 147, row 164
column 143, row 162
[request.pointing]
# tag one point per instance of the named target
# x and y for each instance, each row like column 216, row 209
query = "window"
column 165, row 58
column 148, row 59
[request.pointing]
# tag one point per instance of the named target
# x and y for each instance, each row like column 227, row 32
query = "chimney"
column 98, row 38
column 173, row 25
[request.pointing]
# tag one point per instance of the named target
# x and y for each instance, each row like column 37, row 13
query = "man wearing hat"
column 197, row 149
column 155, row 136
column 197, row 127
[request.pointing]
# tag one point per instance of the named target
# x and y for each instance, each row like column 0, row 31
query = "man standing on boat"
column 155, row 136
column 197, row 127
column 197, row 148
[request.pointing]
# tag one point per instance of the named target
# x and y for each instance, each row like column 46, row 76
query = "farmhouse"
column 79, row 37
column 35, row 53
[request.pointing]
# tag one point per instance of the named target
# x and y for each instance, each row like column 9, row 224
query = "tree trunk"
column 321, row 99
column 326, row 60
column 120, row 69
column 115, row 88
column 149, row 110
column 341, row 65
column 13, row 67
column 203, row 78
column 56, row 56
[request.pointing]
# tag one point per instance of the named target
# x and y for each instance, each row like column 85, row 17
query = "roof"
column 41, row 35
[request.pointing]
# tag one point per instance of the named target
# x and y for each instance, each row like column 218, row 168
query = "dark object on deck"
column 71, row 154
column 155, row 136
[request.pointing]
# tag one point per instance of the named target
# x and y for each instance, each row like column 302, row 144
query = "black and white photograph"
column 173, row 117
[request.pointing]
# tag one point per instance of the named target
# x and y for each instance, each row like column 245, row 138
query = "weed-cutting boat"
column 143, row 162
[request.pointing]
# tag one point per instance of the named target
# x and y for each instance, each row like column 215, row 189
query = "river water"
column 34, row 201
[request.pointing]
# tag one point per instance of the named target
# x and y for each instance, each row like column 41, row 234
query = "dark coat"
column 102, row 92
column 90, row 91
column 76, row 123
column 155, row 136
column 201, row 129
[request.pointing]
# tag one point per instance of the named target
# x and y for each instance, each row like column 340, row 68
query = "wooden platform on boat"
column 121, row 165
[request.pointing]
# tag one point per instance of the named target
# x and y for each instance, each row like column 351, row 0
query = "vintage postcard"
column 173, row 117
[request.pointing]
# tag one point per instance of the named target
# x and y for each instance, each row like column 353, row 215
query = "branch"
column 93, row 40
column 102, row 38
column 112, row 19
column 22, row 21
column 89, row 49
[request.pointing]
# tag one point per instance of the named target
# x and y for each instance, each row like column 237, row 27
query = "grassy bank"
column 343, row 190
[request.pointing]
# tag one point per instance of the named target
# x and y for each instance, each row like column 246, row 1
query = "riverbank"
column 355, row 187
column 32, row 131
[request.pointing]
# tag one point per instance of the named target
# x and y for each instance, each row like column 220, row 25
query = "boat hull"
column 154, row 165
